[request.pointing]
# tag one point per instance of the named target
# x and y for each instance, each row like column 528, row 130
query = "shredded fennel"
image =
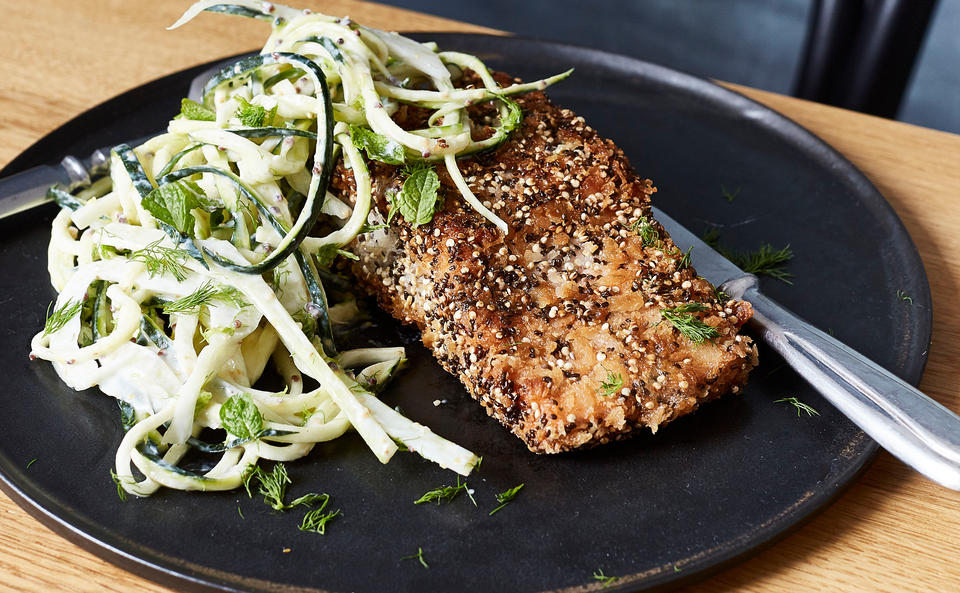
column 188, row 271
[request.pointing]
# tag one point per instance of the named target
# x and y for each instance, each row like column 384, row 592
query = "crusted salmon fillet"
column 584, row 322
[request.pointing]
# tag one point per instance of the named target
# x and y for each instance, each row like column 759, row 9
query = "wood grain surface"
column 892, row 531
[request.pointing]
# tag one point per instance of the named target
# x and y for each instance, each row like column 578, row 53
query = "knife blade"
column 913, row 427
column 28, row 189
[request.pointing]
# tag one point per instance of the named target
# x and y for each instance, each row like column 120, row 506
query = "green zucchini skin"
column 323, row 157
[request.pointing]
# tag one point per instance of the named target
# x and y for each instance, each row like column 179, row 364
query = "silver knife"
column 28, row 189
column 904, row 421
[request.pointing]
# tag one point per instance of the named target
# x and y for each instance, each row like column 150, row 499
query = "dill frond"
column 315, row 521
column 445, row 494
column 649, row 236
column 205, row 296
column 418, row 556
column 60, row 317
column 729, row 196
column 506, row 497
column 162, row 260
column 611, row 385
column 799, row 405
column 765, row 261
column 605, row 579
column 682, row 320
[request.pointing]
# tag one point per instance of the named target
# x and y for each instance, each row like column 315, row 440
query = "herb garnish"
column 273, row 487
column 204, row 296
column 60, row 317
column 379, row 148
column 764, row 261
column 329, row 252
column 241, row 417
column 120, row 491
column 240, row 512
column 418, row 556
column 162, row 260
column 504, row 498
column 251, row 115
column 369, row 228
column 316, row 520
column 279, row 277
column 904, row 296
column 446, row 494
column 190, row 109
column 273, row 484
column 684, row 260
column 606, row 580
column 417, row 199
column 649, row 236
column 611, row 385
column 799, row 405
column 31, row 462
column 695, row 330
column 728, row 195
column 172, row 203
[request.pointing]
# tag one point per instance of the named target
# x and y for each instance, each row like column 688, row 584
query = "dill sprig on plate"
column 607, row 580
column 60, row 317
column 682, row 320
column 799, row 405
column 315, row 521
column 162, row 260
column 445, row 494
column 728, row 195
column 273, row 488
column 121, row 492
column 418, row 556
column 506, row 497
column 205, row 296
column 763, row 261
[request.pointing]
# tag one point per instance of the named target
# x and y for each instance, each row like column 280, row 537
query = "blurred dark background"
column 893, row 58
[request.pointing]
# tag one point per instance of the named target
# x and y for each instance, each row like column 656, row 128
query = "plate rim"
column 731, row 552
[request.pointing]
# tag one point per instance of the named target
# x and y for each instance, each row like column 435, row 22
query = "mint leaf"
column 250, row 115
column 241, row 417
column 190, row 109
column 417, row 200
column 171, row 203
column 379, row 148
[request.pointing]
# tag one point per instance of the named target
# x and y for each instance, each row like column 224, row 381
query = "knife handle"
column 28, row 189
column 904, row 421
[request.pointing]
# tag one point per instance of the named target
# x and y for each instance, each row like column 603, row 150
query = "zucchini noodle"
column 187, row 272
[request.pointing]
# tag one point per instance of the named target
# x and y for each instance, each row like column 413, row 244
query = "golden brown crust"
column 539, row 324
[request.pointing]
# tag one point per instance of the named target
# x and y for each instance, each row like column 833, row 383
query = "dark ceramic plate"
column 655, row 511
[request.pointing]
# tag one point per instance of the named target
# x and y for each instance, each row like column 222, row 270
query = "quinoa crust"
column 556, row 328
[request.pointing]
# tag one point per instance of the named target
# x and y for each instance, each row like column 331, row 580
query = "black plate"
column 654, row 511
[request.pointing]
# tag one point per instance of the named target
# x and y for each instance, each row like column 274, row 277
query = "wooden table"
column 892, row 531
